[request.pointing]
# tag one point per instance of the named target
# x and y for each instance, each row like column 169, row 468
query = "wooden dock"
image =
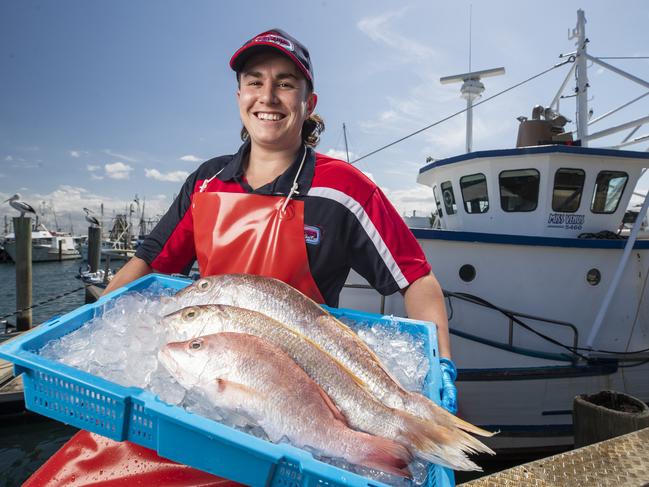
column 621, row 461
column 11, row 388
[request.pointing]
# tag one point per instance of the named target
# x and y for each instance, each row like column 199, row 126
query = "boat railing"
column 515, row 316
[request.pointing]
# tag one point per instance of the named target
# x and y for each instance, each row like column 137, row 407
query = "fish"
column 287, row 305
column 246, row 374
column 359, row 408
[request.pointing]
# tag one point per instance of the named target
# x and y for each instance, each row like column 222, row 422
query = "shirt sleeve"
column 384, row 250
column 169, row 248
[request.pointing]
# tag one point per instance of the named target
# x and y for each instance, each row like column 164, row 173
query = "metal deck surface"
column 619, row 462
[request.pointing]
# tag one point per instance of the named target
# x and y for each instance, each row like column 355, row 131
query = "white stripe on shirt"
column 359, row 212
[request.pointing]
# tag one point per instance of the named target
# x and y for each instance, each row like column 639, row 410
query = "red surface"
column 250, row 234
column 90, row 459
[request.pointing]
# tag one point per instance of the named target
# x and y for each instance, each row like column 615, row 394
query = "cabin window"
column 609, row 187
column 449, row 198
column 568, row 186
column 439, row 205
column 474, row 193
column 519, row 190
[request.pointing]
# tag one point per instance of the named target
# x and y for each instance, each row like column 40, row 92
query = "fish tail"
column 425, row 408
column 441, row 445
column 385, row 455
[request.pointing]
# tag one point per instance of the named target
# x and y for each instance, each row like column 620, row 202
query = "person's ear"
column 311, row 103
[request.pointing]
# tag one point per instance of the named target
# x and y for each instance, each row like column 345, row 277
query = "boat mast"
column 579, row 33
column 346, row 147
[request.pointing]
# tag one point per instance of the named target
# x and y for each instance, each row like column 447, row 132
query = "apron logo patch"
column 311, row 235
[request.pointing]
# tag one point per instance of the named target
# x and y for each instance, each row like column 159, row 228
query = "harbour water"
column 49, row 279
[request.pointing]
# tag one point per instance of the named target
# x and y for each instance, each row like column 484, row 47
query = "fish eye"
column 190, row 313
column 203, row 285
column 195, row 344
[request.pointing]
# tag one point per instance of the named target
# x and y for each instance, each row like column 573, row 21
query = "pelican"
column 91, row 219
column 21, row 206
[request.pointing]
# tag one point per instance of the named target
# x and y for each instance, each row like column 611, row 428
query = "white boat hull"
column 44, row 253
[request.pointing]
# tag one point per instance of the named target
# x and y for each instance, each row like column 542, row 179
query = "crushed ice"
column 121, row 343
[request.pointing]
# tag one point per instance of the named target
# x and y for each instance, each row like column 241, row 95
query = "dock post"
column 23, row 232
column 94, row 255
column 94, row 248
column 60, row 250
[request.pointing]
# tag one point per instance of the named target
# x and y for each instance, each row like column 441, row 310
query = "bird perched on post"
column 91, row 219
column 21, row 206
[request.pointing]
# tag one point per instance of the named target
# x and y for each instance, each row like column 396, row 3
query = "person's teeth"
column 269, row 116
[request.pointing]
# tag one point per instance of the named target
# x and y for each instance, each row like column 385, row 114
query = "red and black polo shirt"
column 348, row 224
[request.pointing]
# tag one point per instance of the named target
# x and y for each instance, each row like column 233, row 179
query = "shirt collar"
column 280, row 186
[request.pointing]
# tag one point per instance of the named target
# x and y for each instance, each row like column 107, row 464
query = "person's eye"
column 285, row 84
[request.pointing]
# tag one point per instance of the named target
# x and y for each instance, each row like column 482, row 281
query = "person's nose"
column 269, row 95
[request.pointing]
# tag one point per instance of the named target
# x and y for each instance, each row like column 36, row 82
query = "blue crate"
column 130, row 413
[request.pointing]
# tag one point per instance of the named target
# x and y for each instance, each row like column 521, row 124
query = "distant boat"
column 46, row 246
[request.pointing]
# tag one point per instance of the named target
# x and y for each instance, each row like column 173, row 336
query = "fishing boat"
column 544, row 270
column 47, row 246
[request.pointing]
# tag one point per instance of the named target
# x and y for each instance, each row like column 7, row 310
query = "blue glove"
column 449, row 392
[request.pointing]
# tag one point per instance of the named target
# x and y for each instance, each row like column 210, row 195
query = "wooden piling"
column 94, row 248
column 23, row 233
column 60, row 250
column 94, row 256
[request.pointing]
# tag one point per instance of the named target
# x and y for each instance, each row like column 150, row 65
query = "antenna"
column 471, row 90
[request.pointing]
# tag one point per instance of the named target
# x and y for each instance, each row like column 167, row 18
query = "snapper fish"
column 243, row 373
column 359, row 408
column 287, row 305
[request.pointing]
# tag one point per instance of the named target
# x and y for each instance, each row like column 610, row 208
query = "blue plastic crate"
column 130, row 413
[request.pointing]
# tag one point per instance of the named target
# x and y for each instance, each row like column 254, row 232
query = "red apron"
column 234, row 233
column 240, row 233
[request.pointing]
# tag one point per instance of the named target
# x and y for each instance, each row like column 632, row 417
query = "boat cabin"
column 552, row 190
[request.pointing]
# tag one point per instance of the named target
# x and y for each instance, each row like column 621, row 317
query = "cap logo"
column 275, row 39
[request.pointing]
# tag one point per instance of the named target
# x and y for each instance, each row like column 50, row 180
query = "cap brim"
column 240, row 57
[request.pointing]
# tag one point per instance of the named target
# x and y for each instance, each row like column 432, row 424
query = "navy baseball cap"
column 281, row 41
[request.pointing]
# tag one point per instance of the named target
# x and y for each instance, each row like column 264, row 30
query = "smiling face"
column 274, row 101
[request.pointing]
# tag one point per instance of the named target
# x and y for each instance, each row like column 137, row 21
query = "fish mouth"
column 168, row 361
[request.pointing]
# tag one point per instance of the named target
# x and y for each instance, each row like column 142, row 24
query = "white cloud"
column 9, row 158
column 94, row 177
column 370, row 176
column 75, row 153
column 378, row 30
column 119, row 156
column 190, row 158
column 118, row 170
column 92, row 167
column 418, row 199
column 171, row 176
column 341, row 154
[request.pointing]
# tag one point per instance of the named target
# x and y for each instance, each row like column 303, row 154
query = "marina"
column 542, row 249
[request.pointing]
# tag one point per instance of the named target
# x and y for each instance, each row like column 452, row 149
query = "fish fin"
column 439, row 444
column 386, row 455
column 227, row 386
column 332, row 406
column 361, row 344
column 421, row 406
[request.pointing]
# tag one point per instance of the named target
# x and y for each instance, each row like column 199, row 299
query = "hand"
column 449, row 392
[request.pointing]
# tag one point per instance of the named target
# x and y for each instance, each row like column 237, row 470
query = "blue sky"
column 100, row 101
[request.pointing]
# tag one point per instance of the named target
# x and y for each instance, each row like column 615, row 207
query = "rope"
column 571, row 59
column 42, row 303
